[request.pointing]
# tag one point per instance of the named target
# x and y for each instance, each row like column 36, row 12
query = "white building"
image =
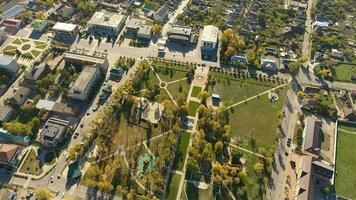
column 8, row 65
column 209, row 42
column 65, row 29
column 84, row 83
column 106, row 23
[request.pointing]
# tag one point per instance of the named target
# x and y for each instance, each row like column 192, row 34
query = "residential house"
column 56, row 108
column 311, row 136
column 54, row 132
column 9, row 154
column 105, row 24
column 209, row 42
column 37, row 73
column 162, row 14
column 12, row 12
column 180, row 34
column 6, row 112
column 84, row 84
column 8, row 65
column 20, row 96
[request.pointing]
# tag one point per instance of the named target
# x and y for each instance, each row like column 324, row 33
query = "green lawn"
column 257, row 118
column 179, row 90
column 35, row 53
column 192, row 108
column 191, row 192
column 31, row 165
column 348, row 127
column 181, row 152
column 196, row 90
column 168, row 74
column 345, row 182
column 152, row 79
column 233, row 91
column 172, row 189
column 343, row 72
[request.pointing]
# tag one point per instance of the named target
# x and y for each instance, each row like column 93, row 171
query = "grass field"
column 345, row 182
column 196, row 90
column 179, row 90
column 257, row 118
column 192, row 108
column 233, row 91
column 172, row 189
column 191, row 192
column 169, row 74
column 181, row 152
column 31, row 165
column 343, row 72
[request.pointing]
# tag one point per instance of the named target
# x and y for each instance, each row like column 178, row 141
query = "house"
column 39, row 25
column 268, row 65
column 12, row 12
column 105, row 24
column 149, row 111
column 162, row 14
column 58, row 108
column 311, row 90
column 239, row 59
column 6, row 112
column 337, row 54
column 65, row 29
column 8, row 65
column 180, row 34
column 20, row 96
column 133, row 25
column 144, row 32
column 209, row 42
column 67, row 11
column 311, row 171
column 311, row 136
column 84, row 84
column 54, row 132
column 9, row 154
column 37, row 73
column 6, row 194
column 13, row 24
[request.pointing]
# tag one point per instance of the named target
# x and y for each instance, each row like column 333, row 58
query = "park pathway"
column 347, row 131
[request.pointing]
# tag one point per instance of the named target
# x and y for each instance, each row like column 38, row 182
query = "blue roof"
column 5, row 60
column 12, row 12
column 217, row 96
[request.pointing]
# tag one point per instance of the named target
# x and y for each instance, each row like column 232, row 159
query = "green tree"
column 43, row 194
column 218, row 147
column 259, row 167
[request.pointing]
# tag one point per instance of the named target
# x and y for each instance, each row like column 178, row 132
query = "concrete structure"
column 20, row 96
column 65, row 29
column 37, row 73
column 6, row 112
column 311, row 136
column 180, row 34
column 54, row 132
column 106, row 24
column 162, row 14
column 8, row 65
column 209, row 42
column 9, row 154
column 83, row 57
column 39, row 25
column 144, row 32
column 269, row 65
column 12, row 23
column 12, row 12
column 84, row 83
column 58, row 108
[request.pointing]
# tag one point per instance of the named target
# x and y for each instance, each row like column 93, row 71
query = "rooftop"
column 12, row 12
column 104, row 18
column 311, row 138
column 54, row 128
column 144, row 30
column 84, row 79
column 7, row 152
column 5, row 60
column 210, row 33
column 66, row 27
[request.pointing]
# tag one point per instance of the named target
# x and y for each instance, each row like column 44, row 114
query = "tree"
column 294, row 67
column 203, row 95
column 259, row 167
column 251, row 58
column 156, row 28
column 43, row 194
column 218, row 147
column 40, row 15
column 192, row 166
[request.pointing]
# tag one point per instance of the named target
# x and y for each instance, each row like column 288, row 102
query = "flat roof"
column 45, row 104
column 144, row 29
column 181, row 30
column 210, row 33
column 84, row 57
column 66, row 27
column 84, row 79
column 12, row 12
column 104, row 18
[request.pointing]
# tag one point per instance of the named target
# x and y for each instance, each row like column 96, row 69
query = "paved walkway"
column 246, row 150
column 347, row 131
column 253, row 97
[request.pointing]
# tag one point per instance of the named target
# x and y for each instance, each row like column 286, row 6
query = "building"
column 106, row 24
column 162, row 14
column 6, row 194
column 58, row 108
column 39, row 25
column 7, row 137
column 311, row 136
column 83, row 57
column 180, row 34
column 3, row 36
column 65, row 29
column 8, row 65
column 84, row 84
column 37, row 73
column 13, row 24
column 144, row 32
column 9, row 154
column 337, row 54
column 54, row 132
column 6, row 112
column 133, row 25
column 239, row 59
column 12, row 12
column 209, row 42
column 149, row 111
column 20, row 96
column 270, row 66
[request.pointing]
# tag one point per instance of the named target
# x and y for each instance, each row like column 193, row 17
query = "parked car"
column 75, row 136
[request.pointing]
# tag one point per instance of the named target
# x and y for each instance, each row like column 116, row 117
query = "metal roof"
column 12, row 12
column 210, row 34
column 66, row 27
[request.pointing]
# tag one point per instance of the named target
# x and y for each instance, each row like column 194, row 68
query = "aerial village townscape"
column 178, row 99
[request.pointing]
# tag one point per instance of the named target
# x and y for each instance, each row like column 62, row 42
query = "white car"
column 52, row 179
